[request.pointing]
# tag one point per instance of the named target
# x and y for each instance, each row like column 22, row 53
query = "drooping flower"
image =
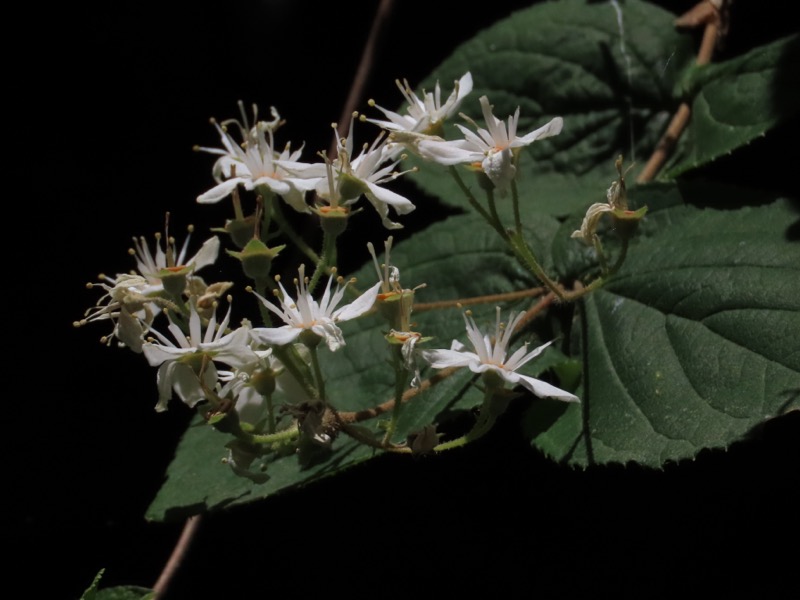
column 492, row 149
column 187, row 367
column 127, row 306
column 427, row 114
column 307, row 314
column 616, row 205
column 254, row 162
column 489, row 355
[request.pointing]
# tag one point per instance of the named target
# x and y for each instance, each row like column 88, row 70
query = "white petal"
column 275, row 335
column 400, row 203
column 219, row 192
column 545, row 390
column 156, row 354
column 359, row 306
column 515, row 362
column 331, row 333
column 441, row 359
column 187, row 384
column 446, row 153
column 207, row 255
column 164, row 381
column 545, row 131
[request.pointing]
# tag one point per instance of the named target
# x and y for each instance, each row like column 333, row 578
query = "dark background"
column 108, row 101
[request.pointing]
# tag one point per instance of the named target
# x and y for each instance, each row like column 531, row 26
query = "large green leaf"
column 694, row 344
column 740, row 100
column 609, row 69
column 446, row 257
column 673, row 347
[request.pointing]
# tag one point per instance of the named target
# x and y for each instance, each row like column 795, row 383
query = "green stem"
column 279, row 437
column 293, row 236
column 601, row 256
column 400, row 378
column 526, row 257
column 317, row 372
column 261, row 288
column 515, row 201
column 621, row 258
column 328, row 258
column 288, row 359
column 493, row 406
column 266, row 198
column 493, row 210
column 270, row 413
column 476, row 205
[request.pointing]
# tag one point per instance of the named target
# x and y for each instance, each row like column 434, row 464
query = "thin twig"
column 364, row 67
column 680, row 120
column 490, row 298
column 369, row 413
column 177, row 556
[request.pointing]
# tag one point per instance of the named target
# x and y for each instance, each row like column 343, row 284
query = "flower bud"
column 333, row 219
column 256, row 258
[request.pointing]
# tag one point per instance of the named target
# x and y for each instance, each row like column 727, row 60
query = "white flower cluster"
column 236, row 370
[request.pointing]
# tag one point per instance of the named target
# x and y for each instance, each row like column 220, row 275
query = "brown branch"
column 423, row 306
column 364, row 67
column 534, row 310
column 708, row 14
column 369, row 413
column 177, row 556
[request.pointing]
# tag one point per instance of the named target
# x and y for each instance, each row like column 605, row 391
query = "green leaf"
column 445, row 256
column 91, row 592
column 125, row 592
column 740, row 100
column 694, row 344
column 610, row 76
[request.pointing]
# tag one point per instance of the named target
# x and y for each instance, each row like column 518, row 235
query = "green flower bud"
column 256, row 258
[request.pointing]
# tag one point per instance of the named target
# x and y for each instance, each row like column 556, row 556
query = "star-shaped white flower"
column 255, row 163
column 490, row 356
column 492, row 148
column 181, row 365
column 426, row 114
column 168, row 261
column 306, row 314
column 349, row 178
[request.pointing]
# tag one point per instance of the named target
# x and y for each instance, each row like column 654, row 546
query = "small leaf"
column 91, row 591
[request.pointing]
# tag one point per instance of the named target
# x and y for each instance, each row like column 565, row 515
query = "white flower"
column 616, row 204
column 493, row 148
column 425, row 115
column 590, row 221
column 168, row 262
column 255, row 163
column 181, row 365
column 490, row 356
column 349, row 178
column 126, row 306
column 306, row 313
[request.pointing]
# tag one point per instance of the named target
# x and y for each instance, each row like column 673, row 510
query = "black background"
column 108, row 101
